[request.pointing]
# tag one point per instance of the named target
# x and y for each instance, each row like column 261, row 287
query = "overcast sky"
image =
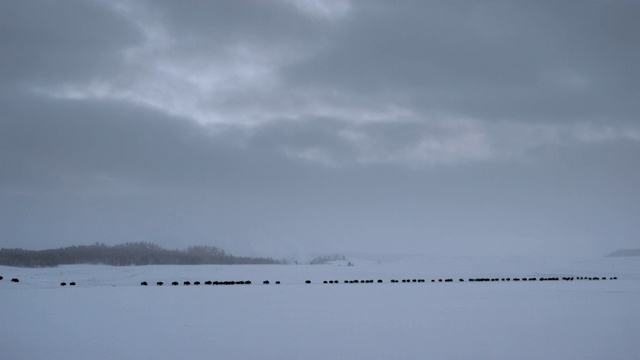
column 287, row 127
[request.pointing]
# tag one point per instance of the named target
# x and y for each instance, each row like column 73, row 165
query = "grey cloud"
column 437, row 127
column 61, row 41
column 542, row 61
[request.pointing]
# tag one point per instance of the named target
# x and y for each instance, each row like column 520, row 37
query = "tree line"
column 321, row 260
column 625, row 252
column 138, row 253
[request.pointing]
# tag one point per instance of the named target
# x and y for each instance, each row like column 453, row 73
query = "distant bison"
column 159, row 283
column 266, row 282
column 72, row 283
column 187, row 283
column 175, row 283
column 1, row 278
column 144, row 283
column 15, row 280
column 63, row 284
column 196, row 283
column 308, row 282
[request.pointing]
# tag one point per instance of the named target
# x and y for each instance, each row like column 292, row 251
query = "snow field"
column 109, row 316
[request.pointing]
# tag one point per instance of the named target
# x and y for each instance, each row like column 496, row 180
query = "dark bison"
column 15, row 280
column 63, row 284
column 308, row 282
column 1, row 278
column 144, row 283
column 73, row 283
column 187, row 283
column 175, row 283
column 196, row 283
column 266, row 282
column 159, row 283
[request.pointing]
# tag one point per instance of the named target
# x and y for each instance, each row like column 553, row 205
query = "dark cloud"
column 542, row 61
column 274, row 128
column 61, row 41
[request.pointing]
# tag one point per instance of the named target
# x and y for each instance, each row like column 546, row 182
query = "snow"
column 108, row 315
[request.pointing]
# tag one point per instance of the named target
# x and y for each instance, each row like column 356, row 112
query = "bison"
column 144, row 283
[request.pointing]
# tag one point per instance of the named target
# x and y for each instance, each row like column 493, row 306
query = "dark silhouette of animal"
column 144, row 283
column 63, row 284
column 208, row 282
column 461, row 280
column 187, row 283
column 266, row 282
column 196, row 283
column 159, row 283
column 277, row 282
column 175, row 283
column 72, row 283
column 308, row 282
column 15, row 280
column 379, row 280
column 1, row 278
column 325, row 282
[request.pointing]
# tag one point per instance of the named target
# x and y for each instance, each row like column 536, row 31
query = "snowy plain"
column 108, row 315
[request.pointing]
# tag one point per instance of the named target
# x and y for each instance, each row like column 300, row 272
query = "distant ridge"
column 140, row 253
column 625, row 252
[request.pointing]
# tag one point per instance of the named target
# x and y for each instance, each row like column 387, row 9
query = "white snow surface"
column 108, row 315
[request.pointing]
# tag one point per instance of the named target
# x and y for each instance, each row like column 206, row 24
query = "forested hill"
column 141, row 253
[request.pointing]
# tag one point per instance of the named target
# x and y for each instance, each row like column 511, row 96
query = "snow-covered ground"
column 108, row 315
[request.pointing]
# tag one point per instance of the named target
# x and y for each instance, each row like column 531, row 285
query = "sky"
column 286, row 127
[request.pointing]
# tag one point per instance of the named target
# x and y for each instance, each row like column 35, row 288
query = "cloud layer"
column 293, row 126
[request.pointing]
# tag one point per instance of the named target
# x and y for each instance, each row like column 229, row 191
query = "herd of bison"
column 368, row 281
